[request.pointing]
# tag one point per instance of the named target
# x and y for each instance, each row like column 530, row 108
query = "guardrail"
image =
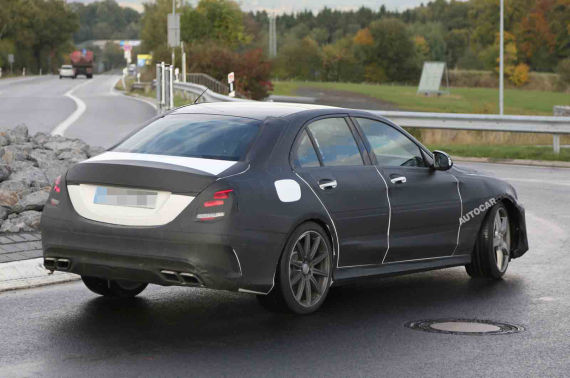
column 208, row 81
column 556, row 126
column 207, row 95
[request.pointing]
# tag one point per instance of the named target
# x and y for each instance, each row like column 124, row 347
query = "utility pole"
column 174, row 13
column 272, row 36
column 502, row 60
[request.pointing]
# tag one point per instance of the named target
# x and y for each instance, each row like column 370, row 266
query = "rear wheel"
column 304, row 273
column 113, row 288
column 491, row 255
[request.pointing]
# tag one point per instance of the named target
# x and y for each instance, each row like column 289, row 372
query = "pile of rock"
column 28, row 167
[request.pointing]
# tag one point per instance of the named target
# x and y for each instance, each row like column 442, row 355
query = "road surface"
column 100, row 115
column 66, row 331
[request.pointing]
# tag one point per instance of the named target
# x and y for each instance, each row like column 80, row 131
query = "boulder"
column 4, row 213
column 72, row 156
column 32, row 177
column 32, row 201
column 5, row 172
column 40, row 139
column 60, row 144
column 40, row 156
column 9, row 198
column 13, row 153
column 18, row 135
column 28, row 221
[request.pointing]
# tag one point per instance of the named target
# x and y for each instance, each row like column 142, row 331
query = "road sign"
column 432, row 74
column 173, row 30
column 10, row 58
column 143, row 60
column 231, row 77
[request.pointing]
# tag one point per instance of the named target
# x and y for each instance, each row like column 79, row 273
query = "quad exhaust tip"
column 183, row 278
column 54, row 263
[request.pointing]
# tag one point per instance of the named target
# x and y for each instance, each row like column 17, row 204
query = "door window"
column 305, row 155
column 391, row 147
column 335, row 142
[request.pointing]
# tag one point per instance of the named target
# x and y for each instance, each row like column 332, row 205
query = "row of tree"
column 383, row 45
column 36, row 32
column 105, row 20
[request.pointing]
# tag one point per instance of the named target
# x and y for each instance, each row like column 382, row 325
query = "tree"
column 220, row 21
column 299, row 59
column 393, row 50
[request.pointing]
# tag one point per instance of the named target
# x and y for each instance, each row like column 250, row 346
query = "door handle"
column 327, row 184
column 398, row 180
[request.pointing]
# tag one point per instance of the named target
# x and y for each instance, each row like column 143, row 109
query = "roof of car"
column 250, row 109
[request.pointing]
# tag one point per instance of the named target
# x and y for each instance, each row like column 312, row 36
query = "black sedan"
column 278, row 200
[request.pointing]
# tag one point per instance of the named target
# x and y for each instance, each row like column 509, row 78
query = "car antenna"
column 197, row 98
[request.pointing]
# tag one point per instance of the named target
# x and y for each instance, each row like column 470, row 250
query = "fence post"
column 159, row 87
column 559, row 111
column 556, row 143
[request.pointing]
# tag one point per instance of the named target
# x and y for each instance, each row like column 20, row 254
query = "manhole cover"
column 464, row 327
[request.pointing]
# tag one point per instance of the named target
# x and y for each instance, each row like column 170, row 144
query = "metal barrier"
column 556, row 126
column 208, row 81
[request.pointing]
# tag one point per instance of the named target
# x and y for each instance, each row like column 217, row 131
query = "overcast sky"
column 298, row 5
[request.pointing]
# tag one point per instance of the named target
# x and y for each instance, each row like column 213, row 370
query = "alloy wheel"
column 309, row 268
column 501, row 239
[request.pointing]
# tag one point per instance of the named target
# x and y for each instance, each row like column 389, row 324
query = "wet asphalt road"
column 64, row 330
column 41, row 104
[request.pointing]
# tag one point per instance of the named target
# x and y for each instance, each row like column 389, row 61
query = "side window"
column 391, row 147
column 305, row 155
column 335, row 142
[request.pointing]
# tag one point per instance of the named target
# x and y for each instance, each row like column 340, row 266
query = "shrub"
column 563, row 70
column 519, row 75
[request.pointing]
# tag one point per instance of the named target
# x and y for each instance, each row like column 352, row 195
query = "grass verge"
column 461, row 100
column 505, row 152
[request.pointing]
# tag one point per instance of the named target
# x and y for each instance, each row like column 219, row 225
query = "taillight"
column 216, row 206
column 56, row 190
column 57, row 185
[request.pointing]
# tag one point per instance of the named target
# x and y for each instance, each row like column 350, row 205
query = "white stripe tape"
column 212, row 166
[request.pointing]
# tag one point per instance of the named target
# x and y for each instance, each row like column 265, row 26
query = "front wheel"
column 491, row 255
column 304, row 273
column 113, row 288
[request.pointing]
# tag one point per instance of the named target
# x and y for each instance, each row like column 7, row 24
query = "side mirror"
column 441, row 161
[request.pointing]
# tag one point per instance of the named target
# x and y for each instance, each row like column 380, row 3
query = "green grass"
column 505, row 152
column 461, row 100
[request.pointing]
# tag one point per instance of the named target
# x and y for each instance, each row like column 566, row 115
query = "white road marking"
column 81, row 107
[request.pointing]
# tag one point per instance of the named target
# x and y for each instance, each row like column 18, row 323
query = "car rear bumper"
column 236, row 261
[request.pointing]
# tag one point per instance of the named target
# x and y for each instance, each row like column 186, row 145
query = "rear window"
column 196, row 135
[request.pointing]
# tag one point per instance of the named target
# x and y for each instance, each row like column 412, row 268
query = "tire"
column 59, row 77
column 113, row 289
column 491, row 255
column 302, row 280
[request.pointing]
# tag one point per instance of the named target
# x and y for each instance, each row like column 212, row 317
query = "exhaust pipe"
column 63, row 264
column 182, row 278
column 54, row 263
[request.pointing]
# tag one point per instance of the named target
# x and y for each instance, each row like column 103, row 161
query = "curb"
column 534, row 163
column 29, row 273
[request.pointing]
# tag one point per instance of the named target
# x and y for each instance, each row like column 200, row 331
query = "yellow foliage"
column 364, row 38
column 520, row 75
column 422, row 46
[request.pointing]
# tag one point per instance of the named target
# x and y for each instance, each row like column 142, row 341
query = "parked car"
column 278, row 200
column 66, row 71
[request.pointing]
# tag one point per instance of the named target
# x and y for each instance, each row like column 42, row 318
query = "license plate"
column 125, row 197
